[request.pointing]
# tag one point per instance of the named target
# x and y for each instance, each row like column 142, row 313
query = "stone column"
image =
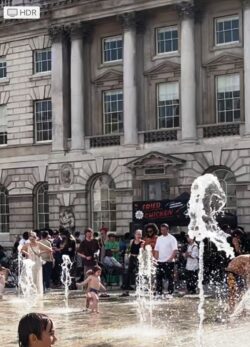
column 246, row 35
column 60, row 99
column 77, row 88
column 128, row 21
column 188, row 97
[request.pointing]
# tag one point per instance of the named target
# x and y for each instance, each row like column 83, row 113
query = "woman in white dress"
column 33, row 251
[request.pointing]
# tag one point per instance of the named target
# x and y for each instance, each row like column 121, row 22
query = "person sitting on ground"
column 36, row 330
column 111, row 264
column 94, row 285
column 3, row 275
column 238, row 278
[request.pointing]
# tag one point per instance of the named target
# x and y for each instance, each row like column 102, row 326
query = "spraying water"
column 65, row 276
column 25, row 280
column 206, row 201
column 144, row 287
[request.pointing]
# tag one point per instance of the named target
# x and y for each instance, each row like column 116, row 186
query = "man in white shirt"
column 165, row 253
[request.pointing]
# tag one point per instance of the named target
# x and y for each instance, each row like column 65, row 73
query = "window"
column 103, row 203
column 168, row 105
column 156, row 190
column 228, row 184
column 113, row 111
column 41, row 205
column 112, row 48
column 43, row 120
column 167, row 40
column 42, row 60
column 3, row 125
column 227, row 30
column 4, row 210
column 228, row 98
column 3, row 67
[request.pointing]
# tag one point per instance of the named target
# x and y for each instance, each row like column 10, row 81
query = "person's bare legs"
column 94, row 302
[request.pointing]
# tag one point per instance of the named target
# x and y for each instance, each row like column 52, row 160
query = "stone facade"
column 71, row 164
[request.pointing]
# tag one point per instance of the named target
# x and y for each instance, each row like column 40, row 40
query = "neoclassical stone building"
column 106, row 102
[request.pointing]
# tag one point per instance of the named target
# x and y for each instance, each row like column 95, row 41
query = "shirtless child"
column 94, row 286
column 238, row 272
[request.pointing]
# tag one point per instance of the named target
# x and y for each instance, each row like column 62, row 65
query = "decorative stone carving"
column 80, row 30
column 66, row 175
column 58, row 33
column 67, row 217
column 130, row 20
column 185, row 9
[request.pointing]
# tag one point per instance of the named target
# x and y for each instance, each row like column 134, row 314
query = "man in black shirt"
column 87, row 249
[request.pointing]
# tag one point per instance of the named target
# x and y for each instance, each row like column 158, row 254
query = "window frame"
column 5, row 133
column 3, row 61
column 35, row 62
column 37, row 188
column 157, row 105
column 104, row 113
column 6, row 229
column 216, row 98
column 111, row 186
column 35, row 120
column 220, row 18
column 159, row 54
column 103, row 39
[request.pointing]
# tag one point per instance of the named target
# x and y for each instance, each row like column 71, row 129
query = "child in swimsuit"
column 94, row 286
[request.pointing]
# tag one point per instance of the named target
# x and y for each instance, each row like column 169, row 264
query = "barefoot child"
column 94, row 286
column 3, row 275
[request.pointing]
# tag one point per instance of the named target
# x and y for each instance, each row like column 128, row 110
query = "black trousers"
column 165, row 271
column 131, row 272
column 47, row 271
column 191, row 281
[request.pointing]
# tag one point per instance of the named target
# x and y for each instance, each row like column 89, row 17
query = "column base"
column 191, row 140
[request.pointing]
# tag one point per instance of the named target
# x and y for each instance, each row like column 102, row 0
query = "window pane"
column 167, row 39
column 112, row 48
column 113, row 112
column 227, row 30
column 42, row 60
column 43, row 120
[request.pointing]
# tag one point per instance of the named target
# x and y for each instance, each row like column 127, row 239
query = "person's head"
column 97, row 271
column 164, row 229
column 77, row 234
column 108, row 253
column 44, row 234
column 56, row 234
column 88, row 234
column 26, row 235
column 36, row 330
column 111, row 237
column 151, row 230
column 138, row 234
column 32, row 236
column 190, row 240
column 95, row 235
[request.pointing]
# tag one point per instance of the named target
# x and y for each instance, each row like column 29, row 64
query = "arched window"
column 103, row 204
column 4, row 210
column 228, row 184
column 41, row 205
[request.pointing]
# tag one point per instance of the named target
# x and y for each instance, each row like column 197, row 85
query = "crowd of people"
column 176, row 257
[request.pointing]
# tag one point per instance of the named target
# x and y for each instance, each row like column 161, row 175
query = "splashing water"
column 144, row 285
column 25, row 280
column 206, row 201
column 65, row 276
column 243, row 305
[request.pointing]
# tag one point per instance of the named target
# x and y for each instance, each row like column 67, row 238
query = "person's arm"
column 156, row 250
column 24, row 250
column 175, row 250
column 81, row 252
column 44, row 249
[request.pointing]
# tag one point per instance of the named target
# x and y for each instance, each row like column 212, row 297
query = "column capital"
column 58, row 33
column 186, row 9
column 132, row 20
column 245, row 3
column 80, row 30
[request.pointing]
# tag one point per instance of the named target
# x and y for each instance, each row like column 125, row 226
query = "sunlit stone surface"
column 175, row 323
